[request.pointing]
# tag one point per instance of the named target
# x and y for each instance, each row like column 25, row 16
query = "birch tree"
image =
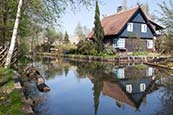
column 14, row 35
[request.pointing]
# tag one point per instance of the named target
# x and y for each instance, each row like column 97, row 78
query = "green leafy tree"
column 98, row 30
column 7, row 14
column 51, row 35
column 33, row 12
column 40, row 12
column 86, row 48
column 66, row 38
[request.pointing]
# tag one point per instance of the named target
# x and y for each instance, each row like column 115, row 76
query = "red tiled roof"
column 113, row 24
column 114, row 91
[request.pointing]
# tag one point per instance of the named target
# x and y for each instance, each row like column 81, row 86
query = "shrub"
column 109, row 50
column 167, row 44
column 66, row 48
column 86, row 48
column 43, row 47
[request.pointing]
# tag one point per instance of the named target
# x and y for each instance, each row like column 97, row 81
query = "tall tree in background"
column 51, row 35
column 167, row 21
column 167, row 16
column 124, row 4
column 14, row 35
column 86, row 30
column 81, row 31
column 7, row 14
column 98, row 30
column 146, row 9
column 66, row 38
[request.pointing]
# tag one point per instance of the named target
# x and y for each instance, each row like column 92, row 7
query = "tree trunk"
column 14, row 35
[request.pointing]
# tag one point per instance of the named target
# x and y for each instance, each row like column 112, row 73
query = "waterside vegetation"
column 10, row 99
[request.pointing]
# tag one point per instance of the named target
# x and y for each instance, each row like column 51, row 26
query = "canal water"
column 94, row 88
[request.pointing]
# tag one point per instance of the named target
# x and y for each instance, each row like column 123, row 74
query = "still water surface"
column 93, row 88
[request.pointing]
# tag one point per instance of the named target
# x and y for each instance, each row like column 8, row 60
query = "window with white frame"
column 121, row 43
column 144, row 28
column 115, row 43
column 150, row 44
column 120, row 73
column 150, row 71
column 130, row 27
column 129, row 88
column 142, row 87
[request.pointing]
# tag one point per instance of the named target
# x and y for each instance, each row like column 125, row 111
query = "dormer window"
column 144, row 28
column 130, row 27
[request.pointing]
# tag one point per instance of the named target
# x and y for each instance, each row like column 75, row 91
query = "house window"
column 144, row 28
column 121, row 43
column 150, row 71
column 150, row 44
column 129, row 88
column 120, row 73
column 142, row 87
column 115, row 43
column 130, row 27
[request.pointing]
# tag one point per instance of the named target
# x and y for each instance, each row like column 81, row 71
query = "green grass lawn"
column 10, row 99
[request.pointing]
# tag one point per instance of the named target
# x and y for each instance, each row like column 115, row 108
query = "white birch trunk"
column 14, row 35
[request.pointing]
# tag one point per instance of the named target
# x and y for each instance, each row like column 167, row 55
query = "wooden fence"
column 3, row 55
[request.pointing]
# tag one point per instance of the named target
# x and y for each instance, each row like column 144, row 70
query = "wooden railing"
column 3, row 55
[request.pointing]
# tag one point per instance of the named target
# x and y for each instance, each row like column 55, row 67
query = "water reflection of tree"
column 53, row 67
column 85, row 69
column 97, row 89
column 165, row 81
column 166, row 105
column 96, row 72
column 66, row 70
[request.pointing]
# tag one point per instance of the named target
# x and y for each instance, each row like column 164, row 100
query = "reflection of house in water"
column 133, row 71
column 128, row 92
column 132, row 87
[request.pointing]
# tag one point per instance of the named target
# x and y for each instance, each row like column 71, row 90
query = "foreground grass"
column 10, row 99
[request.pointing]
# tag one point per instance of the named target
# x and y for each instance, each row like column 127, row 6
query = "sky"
column 85, row 17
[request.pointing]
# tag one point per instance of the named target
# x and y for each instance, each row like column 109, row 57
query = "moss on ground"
column 140, row 53
column 10, row 99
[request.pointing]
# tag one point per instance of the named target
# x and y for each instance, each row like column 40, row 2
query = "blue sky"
column 107, row 7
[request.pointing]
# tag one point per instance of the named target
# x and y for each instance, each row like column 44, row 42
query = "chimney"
column 119, row 9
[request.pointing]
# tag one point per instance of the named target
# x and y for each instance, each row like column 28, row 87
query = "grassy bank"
column 10, row 99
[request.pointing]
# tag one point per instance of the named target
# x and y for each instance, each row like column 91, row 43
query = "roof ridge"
column 128, row 9
column 121, row 12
